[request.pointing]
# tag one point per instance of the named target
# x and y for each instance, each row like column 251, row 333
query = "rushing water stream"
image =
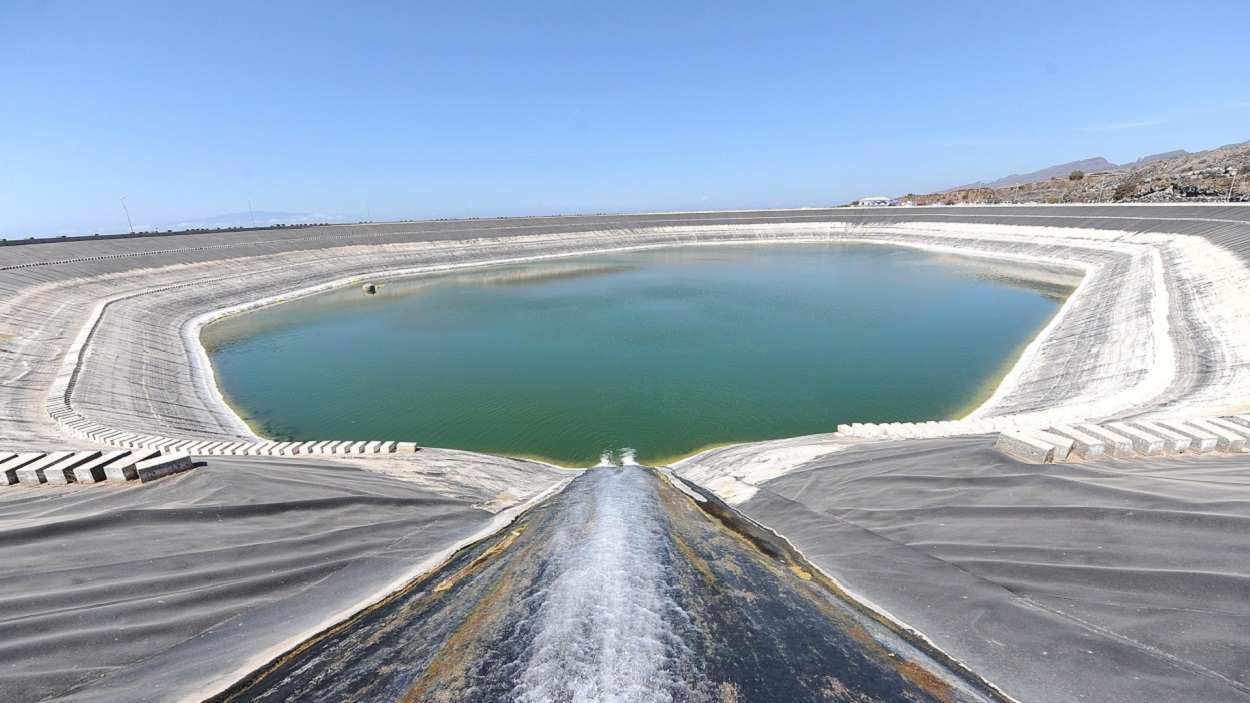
column 620, row 589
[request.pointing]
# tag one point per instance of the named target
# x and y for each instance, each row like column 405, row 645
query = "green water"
column 663, row 351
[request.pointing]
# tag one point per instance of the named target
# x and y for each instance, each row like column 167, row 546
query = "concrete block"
column 1202, row 440
column 1173, row 442
column 123, row 469
column 164, row 465
column 62, row 472
column 1226, row 440
column 224, row 448
column 373, row 447
column 1084, row 445
column 1145, row 443
column 1025, row 447
column 280, row 449
column 388, row 447
column 1243, row 420
column 32, row 473
column 1063, row 445
column 8, row 469
column 207, row 447
column 406, row 447
column 93, row 471
column 1240, row 430
column 1117, row 444
column 198, row 448
column 359, row 447
column 844, row 429
column 266, row 448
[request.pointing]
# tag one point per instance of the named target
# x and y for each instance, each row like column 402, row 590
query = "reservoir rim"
column 205, row 374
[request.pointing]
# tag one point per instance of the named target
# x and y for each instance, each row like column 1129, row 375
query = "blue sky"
column 461, row 109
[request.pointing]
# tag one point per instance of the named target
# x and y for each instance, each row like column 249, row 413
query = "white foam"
column 602, row 630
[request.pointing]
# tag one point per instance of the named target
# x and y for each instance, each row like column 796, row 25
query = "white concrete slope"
column 102, row 350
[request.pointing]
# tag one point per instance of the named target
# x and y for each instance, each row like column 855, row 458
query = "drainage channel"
column 624, row 587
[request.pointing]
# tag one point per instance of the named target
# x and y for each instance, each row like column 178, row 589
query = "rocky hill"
column 1175, row 176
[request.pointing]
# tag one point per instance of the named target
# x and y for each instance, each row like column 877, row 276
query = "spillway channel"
column 621, row 588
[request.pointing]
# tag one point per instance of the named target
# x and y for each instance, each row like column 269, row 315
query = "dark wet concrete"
column 621, row 588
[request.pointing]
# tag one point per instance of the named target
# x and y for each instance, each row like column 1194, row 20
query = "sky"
column 369, row 110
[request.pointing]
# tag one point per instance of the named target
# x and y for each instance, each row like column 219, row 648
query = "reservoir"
column 662, row 352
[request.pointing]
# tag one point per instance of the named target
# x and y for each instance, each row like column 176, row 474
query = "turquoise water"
column 663, row 351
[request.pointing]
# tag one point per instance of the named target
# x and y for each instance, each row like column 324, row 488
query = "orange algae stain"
column 801, row 572
column 447, row 583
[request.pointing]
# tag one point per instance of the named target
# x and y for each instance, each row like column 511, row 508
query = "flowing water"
column 666, row 351
column 620, row 589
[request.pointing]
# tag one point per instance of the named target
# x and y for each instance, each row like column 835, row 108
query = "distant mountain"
column 1097, row 163
column 1214, row 175
column 1156, row 157
column 259, row 218
column 1091, row 165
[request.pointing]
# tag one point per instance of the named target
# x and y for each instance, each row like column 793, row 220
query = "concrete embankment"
column 103, row 333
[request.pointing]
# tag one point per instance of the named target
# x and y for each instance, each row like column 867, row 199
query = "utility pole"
column 127, row 211
column 1232, row 171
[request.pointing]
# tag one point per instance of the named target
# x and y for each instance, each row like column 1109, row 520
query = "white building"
column 877, row 201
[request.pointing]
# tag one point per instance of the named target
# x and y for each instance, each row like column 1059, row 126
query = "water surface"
column 664, row 351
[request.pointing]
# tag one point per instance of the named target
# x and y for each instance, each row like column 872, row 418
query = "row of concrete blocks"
column 323, row 448
column 921, row 430
column 1131, row 439
column 91, row 466
column 73, row 423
